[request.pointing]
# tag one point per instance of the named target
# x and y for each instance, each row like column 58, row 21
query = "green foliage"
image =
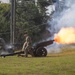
column 44, row 3
column 25, row 19
column 31, row 18
column 4, row 21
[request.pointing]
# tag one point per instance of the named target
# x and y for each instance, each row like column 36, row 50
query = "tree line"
column 29, row 18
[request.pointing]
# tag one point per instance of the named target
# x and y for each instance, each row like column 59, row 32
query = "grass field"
column 54, row 64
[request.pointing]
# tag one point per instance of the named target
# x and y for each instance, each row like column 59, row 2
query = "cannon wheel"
column 41, row 52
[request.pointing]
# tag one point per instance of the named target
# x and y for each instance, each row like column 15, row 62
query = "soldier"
column 27, row 45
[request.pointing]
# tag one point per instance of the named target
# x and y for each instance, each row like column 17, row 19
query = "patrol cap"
column 25, row 33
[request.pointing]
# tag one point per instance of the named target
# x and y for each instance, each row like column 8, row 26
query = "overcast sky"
column 5, row 1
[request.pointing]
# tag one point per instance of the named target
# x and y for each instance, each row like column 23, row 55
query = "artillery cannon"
column 38, row 49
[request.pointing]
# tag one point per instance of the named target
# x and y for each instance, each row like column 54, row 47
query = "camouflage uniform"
column 27, row 47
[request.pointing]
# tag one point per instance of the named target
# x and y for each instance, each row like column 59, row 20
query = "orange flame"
column 65, row 36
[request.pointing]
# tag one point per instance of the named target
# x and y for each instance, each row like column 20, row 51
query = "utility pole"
column 13, row 21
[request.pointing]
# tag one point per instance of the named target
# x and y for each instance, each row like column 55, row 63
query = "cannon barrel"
column 43, row 44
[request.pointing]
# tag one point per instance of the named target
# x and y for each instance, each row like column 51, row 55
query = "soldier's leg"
column 26, row 52
column 23, row 49
column 23, row 46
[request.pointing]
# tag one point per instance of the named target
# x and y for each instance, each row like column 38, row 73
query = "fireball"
column 65, row 36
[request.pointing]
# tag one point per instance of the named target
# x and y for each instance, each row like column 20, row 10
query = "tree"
column 4, row 21
column 31, row 18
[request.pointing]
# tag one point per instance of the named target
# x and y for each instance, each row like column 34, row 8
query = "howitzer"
column 38, row 49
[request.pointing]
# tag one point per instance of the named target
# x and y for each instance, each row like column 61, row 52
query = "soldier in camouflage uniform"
column 27, row 45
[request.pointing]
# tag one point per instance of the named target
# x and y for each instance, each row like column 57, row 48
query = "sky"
column 5, row 1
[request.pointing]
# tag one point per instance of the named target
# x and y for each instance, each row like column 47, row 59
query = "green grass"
column 54, row 64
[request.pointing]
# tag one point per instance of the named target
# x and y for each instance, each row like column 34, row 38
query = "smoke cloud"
column 63, row 16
